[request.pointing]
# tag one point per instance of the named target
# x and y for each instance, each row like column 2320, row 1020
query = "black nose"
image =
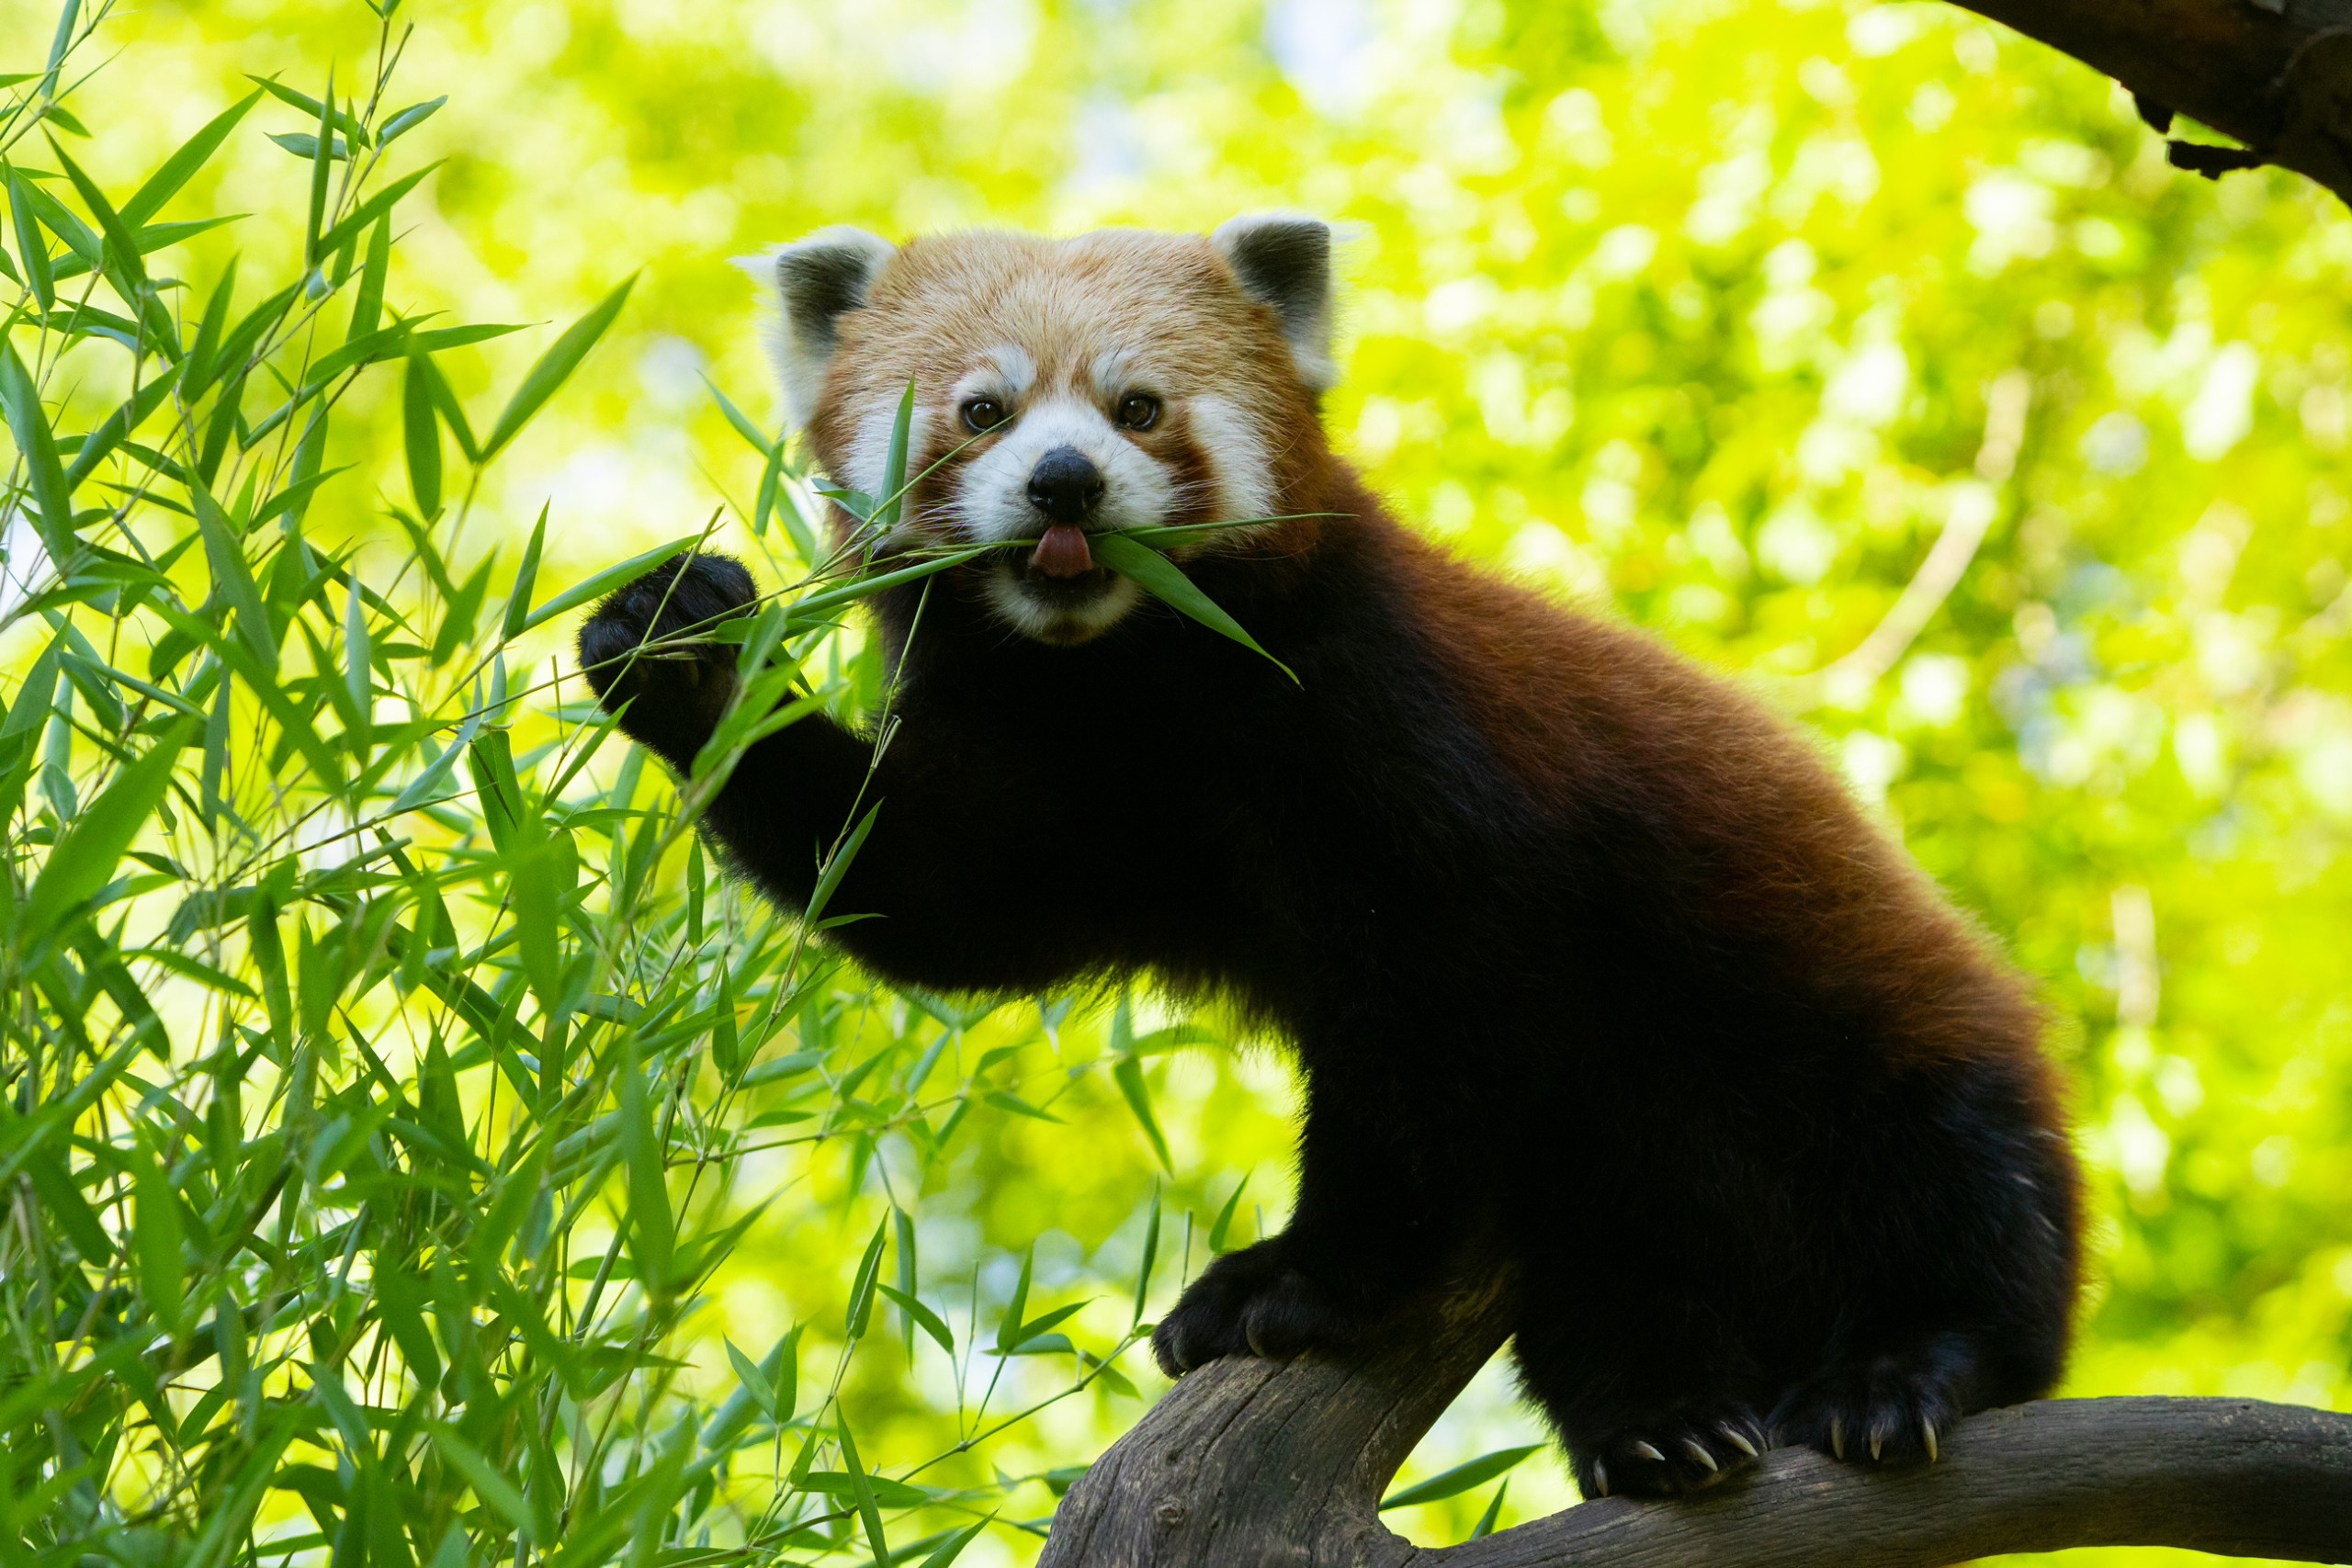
column 1066, row 486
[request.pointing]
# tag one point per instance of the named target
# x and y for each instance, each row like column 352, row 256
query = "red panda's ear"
column 1283, row 260
column 814, row 282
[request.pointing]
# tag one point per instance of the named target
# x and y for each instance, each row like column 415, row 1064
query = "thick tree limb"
column 2277, row 74
column 1248, row 1463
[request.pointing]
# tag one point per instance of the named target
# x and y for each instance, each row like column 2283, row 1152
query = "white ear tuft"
column 814, row 281
column 1283, row 260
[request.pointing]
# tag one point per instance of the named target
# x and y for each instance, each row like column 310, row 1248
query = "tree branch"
column 2275, row 74
column 1247, row 1463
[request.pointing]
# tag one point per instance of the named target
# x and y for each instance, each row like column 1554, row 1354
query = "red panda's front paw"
column 644, row 657
column 1248, row 1302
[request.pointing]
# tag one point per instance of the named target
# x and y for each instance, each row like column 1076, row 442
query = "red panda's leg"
column 956, row 908
column 1373, row 1222
column 1648, row 1385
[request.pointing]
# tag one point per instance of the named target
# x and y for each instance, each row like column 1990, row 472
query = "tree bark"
column 1247, row 1463
column 2275, row 74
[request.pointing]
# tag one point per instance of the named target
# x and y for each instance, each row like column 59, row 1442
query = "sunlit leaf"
column 181, row 167
column 423, row 436
column 86, row 857
column 606, row 582
column 1461, row 1478
column 28, row 423
column 554, row 367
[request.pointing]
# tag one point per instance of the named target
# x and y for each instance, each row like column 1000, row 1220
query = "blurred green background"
column 1718, row 314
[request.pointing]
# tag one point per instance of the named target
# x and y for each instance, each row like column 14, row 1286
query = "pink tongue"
column 1063, row 552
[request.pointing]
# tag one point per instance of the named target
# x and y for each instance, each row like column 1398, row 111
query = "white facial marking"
column 994, row 500
column 1013, row 364
column 1110, row 370
column 869, row 448
column 1137, row 492
column 1237, row 457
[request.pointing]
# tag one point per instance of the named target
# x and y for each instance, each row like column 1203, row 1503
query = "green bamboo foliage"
column 381, row 1052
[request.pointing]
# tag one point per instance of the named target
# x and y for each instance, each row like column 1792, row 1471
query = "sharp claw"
column 1738, row 1440
column 1250, row 1333
column 1838, row 1437
column 1878, row 1441
column 1600, row 1478
column 1698, row 1451
column 1647, row 1451
column 1928, row 1435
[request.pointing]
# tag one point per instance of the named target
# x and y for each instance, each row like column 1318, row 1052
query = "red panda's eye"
column 982, row 413
column 1139, row 410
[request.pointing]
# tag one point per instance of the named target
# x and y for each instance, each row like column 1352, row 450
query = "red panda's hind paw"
column 1882, row 1409
column 1670, row 1454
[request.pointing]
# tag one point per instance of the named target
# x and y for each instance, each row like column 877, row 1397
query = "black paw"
column 1248, row 1302
column 1884, row 1409
column 1669, row 1452
column 634, row 651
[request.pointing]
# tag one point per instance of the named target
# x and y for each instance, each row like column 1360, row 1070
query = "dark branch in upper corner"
column 1247, row 1463
column 2274, row 75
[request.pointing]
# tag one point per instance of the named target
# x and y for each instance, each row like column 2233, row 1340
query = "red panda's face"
column 1063, row 389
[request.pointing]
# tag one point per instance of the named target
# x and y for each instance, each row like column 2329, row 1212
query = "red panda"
column 1588, row 963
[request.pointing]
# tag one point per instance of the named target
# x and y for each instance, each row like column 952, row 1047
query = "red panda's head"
column 1120, row 379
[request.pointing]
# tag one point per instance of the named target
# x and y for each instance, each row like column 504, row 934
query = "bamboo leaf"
column 754, row 1381
column 31, row 244
column 422, row 435
column 554, row 367
column 606, row 582
column 1225, row 1217
column 359, row 674
column 409, row 118
column 322, row 165
column 372, row 208
column 85, row 858
column 868, row 1511
column 155, row 1239
column 97, row 445
column 894, row 464
column 807, row 612
column 1164, row 581
column 544, row 874
column 181, row 167
column 130, row 274
column 863, row 1286
column 948, row 1550
column 837, row 865
column 68, row 17
column 484, row 1477
column 652, row 1233
column 309, row 106
column 519, row 598
column 1486, row 1521
column 59, row 1194
column 1150, row 1256
column 368, row 304
column 1461, row 1478
column 929, row 1322
column 28, row 423
column 746, row 426
column 1127, row 1073
column 1009, row 1329
column 232, row 580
